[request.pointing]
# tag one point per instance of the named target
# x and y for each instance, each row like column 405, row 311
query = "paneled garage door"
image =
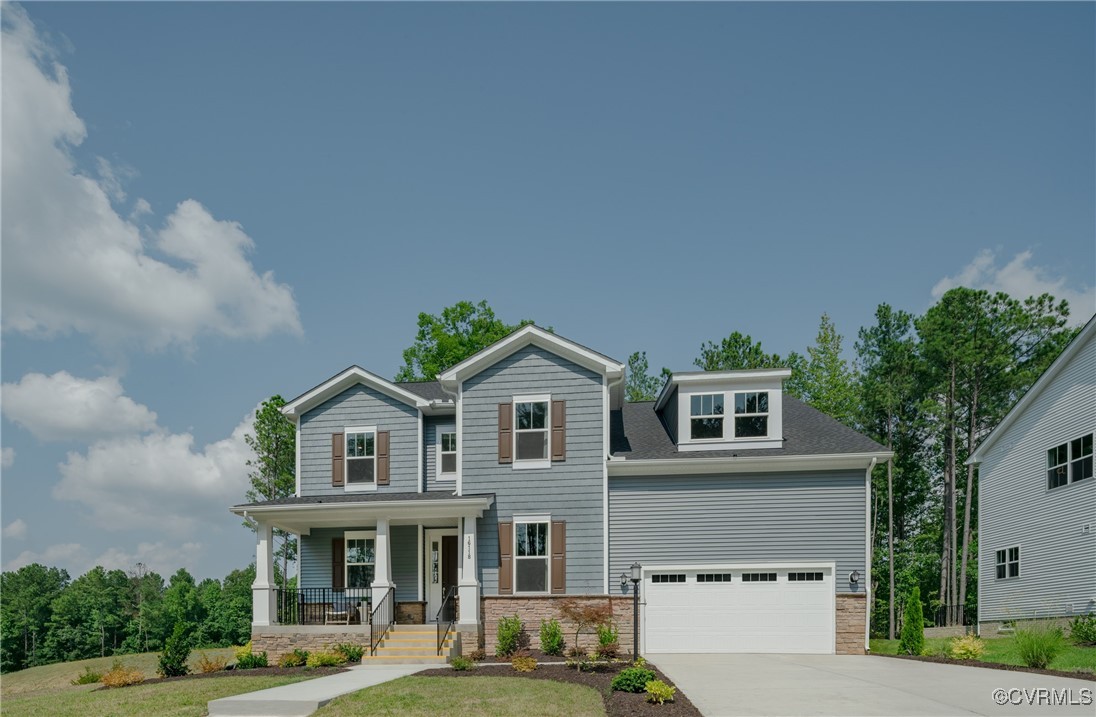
column 752, row 609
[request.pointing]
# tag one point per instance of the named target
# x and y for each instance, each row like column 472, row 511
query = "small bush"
column 509, row 635
column 632, row 679
column 1082, row 630
column 176, row 652
column 576, row 652
column 659, row 693
column 912, row 641
column 551, row 637
column 608, row 651
column 207, row 664
column 242, row 651
column 524, row 664
column 580, row 663
column 478, row 654
column 462, row 663
column 324, row 658
column 607, row 634
column 640, row 662
column 297, row 658
column 251, row 661
column 968, row 647
column 120, row 675
column 350, row 651
column 88, row 677
column 1038, row 644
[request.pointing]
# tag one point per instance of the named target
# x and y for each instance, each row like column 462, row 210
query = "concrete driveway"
column 848, row 685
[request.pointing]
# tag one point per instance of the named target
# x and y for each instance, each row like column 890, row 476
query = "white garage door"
column 754, row 609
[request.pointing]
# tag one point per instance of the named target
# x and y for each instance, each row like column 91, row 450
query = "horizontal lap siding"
column 316, row 558
column 359, row 406
column 771, row 517
column 430, row 439
column 1057, row 563
column 570, row 490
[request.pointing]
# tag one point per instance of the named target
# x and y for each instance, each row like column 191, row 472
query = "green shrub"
column 632, row 679
column 607, row 634
column 324, row 658
column 524, row 664
column 580, row 663
column 968, row 647
column 251, row 661
column 478, row 654
column 120, row 675
column 207, row 664
column 297, row 658
column 1038, row 644
column 350, row 651
column 659, row 693
column 1082, row 630
column 87, row 677
column 551, row 637
column 509, row 635
column 242, row 650
column 176, row 652
column 462, row 663
column 912, row 641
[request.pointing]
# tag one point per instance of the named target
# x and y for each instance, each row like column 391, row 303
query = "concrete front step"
column 404, row 660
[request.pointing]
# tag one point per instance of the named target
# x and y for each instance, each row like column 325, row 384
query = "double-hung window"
column 706, row 416
column 751, row 414
column 361, row 456
column 531, row 556
column 448, row 453
column 531, row 429
column 1008, row 563
column 1069, row 462
column 360, row 559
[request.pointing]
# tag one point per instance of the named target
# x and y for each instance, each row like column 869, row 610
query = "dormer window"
column 751, row 414
column 706, row 416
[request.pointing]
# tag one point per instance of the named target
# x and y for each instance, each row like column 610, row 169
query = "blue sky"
column 207, row 204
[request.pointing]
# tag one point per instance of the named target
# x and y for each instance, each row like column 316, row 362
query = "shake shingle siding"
column 772, row 517
column 570, row 490
column 359, row 406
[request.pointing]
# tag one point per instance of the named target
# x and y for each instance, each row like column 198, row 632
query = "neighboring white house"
column 1037, row 497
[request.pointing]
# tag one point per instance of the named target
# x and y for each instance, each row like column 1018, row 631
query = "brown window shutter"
column 338, row 551
column 559, row 430
column 506, row 561
column 559, row 557
column 338, row 447
column 506, row 442
column 382, row 458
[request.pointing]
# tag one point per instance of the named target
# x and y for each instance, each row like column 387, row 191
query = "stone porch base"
column 278, row 640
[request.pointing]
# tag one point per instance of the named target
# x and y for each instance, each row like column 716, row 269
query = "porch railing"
column 447, row 615
column 322, row 606
column 382, row 619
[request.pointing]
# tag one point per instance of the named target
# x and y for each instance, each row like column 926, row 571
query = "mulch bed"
column 993, row 666
column 256, row 672
column 617, row 704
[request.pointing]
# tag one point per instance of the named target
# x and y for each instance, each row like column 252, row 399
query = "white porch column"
column 382, row 562
column 468, row 587
column 263, row 601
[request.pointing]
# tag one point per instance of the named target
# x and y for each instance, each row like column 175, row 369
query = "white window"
column 447, row 453
column 531, row 422
column 706, row 416
column 531, row 556
column 1069, row 462
column 1008, row 563
column 360, row 559
column 751, row 414
column 361, row 457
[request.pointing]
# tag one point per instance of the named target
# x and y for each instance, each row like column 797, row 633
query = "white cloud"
column 158, row 481
column 16, row 529
column 158, row 557
column 1020, row 279
column 7, row 457
column 63, row 407
column 71, row 556
column 73, row 263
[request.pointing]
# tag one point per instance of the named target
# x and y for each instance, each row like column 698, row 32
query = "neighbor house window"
column 751, row 414
column 361, row 460
column 360, row 557
column 1069, row 462
column 1008, row 563
column 448, row 453
column 531, row 557
column 706, row 416
column 531, row 430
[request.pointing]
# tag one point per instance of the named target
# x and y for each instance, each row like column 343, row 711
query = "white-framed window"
column 359, row 559
column 1069, row 462
column 532, row 424
column 706, row 416
column 532, row 561
column 751, row 414
column 1008, row 563
column 447, row 452
column 361, row 457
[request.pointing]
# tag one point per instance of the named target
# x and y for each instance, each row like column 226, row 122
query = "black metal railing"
column 447, row 615
column 382, row 619
column 956, row 615
column 321, row 606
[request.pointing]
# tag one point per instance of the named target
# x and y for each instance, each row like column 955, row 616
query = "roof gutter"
column 748, row 464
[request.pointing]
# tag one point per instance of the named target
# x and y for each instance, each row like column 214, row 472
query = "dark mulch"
column 617, row 704
column 257, row 672
column 993, row 666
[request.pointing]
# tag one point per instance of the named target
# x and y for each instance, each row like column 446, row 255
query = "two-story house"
column 1037, row 498
column 520, row 478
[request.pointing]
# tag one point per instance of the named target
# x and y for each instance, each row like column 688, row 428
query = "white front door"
column 441, row 561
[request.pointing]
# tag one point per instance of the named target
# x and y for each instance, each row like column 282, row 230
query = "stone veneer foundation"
column 532, row 610
column 852, row 613
column 278, row 640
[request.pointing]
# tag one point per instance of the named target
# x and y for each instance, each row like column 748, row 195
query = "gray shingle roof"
column 430, row 390
column 636, row 433
column 379, row 497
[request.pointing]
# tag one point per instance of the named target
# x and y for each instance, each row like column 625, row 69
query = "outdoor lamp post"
column 634, row 575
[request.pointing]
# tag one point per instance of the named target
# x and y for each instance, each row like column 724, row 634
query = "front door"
column 442, row 559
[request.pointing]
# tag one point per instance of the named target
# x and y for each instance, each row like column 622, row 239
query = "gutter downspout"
column 868, row 556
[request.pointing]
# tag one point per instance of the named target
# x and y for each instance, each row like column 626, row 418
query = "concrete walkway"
column 303, row 698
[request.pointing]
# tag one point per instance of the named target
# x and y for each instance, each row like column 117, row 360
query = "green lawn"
column 1002, row 650
column 469, row 697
